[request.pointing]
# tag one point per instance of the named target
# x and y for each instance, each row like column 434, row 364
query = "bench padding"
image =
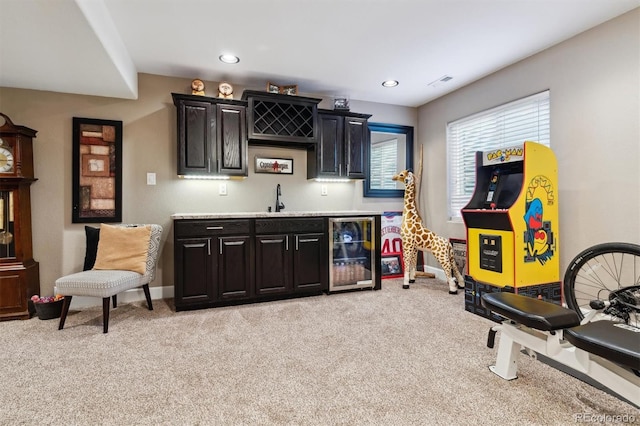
column 533, row 313
column 613, row 341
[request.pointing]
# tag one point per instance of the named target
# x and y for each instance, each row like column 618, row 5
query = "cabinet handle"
column 220, row 241
column 297, row 240
column 209, row 165
column 286, row 243
column 214, row 228
column 271, row 241
column 209, row 247
column 309, row 240
column 340, row 169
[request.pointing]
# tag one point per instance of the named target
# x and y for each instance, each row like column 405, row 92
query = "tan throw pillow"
column 123, row 248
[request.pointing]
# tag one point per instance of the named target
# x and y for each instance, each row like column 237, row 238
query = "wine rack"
column 281, row 118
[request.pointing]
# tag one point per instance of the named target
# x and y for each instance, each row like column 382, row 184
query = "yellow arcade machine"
column 512, row 226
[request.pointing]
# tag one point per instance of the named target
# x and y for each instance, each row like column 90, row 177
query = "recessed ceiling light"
column 390, row 83
column 229, row 59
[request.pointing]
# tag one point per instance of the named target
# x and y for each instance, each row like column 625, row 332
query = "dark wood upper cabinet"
column 343, row 146
column 212, row 136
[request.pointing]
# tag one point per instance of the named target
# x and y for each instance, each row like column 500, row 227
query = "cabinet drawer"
column 192, row 228
column 279, row 226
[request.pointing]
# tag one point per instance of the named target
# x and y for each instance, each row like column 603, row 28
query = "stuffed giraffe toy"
column 415, row 236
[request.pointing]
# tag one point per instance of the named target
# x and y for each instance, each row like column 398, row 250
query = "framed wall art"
column 97, row 170
column 283, row 166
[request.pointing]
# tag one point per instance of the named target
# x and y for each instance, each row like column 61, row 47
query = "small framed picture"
column 392, row 265
column 273, row 88
column 341, row 103
column 289, row 90
column 460, row 253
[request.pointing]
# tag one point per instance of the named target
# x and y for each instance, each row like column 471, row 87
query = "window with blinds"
column 510, row 124
column 384, row 164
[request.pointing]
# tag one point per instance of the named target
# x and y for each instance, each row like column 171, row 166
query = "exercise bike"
column 597, row 335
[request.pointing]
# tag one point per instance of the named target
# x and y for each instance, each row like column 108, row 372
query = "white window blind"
column 384, row 163
column 510, row 124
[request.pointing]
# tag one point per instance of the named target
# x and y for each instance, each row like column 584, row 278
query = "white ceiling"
column 326, row 47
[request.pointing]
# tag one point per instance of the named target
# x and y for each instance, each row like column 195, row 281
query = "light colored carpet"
column 388, row 357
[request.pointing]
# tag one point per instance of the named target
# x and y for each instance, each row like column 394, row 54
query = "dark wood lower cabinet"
column 195, row 268
column 234, row 268
column 273, row 264
column 291, row 263
column 221, row 262
column 310, row 262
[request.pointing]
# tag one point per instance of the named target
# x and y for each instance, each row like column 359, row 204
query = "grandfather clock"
column 19, row 273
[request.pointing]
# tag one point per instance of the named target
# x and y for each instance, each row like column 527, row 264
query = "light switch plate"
column 151, row 178
column 222, row 189
column 324, row 190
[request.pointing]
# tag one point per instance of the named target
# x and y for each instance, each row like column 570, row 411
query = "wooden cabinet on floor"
column 291, row 256
column 212, row 260
column 222, row 262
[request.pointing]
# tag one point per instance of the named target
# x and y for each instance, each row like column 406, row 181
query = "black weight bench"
column 616, row 342
column 531, row 312
column 555, row 332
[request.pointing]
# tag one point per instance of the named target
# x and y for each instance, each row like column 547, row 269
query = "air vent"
column 441, row 80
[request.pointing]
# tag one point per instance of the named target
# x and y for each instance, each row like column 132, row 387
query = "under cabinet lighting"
column 203, row 177
column 333, row 180
column 229, row 59
column 390, row 83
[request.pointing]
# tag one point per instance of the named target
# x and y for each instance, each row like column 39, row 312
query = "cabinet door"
column 273, row 264
column 194, row 271
column 310, row 270
column 356, row 146
column 330, row 149
column 195, row 138
column 234, row 268
column 231, row 139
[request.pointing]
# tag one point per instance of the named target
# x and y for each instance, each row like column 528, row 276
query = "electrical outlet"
column 324, row 190
column 222, row 189
column 151, row 178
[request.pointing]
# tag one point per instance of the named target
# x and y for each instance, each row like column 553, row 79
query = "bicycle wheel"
column 600, row 270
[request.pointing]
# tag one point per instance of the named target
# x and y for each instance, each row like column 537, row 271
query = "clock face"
column 6, row 160
column 225, row 89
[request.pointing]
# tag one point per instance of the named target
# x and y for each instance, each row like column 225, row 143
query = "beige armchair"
column 126, row 258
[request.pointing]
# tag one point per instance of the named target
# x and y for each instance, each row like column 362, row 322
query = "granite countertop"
column 251, row 215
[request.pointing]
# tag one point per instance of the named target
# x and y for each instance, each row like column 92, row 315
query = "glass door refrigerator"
column 351, row 253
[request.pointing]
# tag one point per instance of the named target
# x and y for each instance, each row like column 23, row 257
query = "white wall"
column 594, row 79
column 149, row 145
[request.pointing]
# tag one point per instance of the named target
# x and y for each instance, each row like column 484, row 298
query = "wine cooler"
column 351, row 253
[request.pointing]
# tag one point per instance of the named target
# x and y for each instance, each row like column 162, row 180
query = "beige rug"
column 388, row 357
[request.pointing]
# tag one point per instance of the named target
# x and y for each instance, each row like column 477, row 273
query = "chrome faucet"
column 279, row 204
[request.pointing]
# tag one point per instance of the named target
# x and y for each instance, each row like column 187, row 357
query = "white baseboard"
column 129, row 296
column 437, row 271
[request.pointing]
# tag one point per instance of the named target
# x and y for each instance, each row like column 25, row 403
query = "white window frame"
column 510, row 124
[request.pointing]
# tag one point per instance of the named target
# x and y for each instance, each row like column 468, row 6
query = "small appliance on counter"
column 351, row 253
